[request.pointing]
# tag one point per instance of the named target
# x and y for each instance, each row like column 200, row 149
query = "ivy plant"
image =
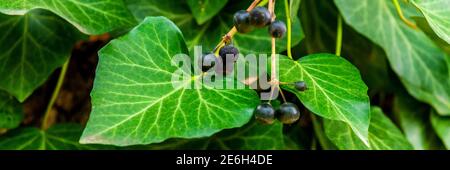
column 230, row 74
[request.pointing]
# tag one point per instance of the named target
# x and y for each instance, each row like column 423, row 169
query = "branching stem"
column 227, row 38
column 273, row 70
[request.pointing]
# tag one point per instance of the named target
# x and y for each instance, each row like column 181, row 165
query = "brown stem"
column 273, row 56
column 282, row 94
column 227, row 37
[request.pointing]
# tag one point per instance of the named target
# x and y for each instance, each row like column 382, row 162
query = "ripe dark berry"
column 300, row 85
column 208, row 61
column 229, row 53
column 265, row 113
column 224, row 67
column 260, row 17
column 277, row 29
column 288, row 113
column 241, row 21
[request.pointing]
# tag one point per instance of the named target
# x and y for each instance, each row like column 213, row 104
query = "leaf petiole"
column 289, row 29
column 46, row 120
column 339, row 36
column 402, row 17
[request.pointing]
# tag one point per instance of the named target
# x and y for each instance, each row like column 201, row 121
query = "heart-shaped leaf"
column 441, row 125
column 335, row 89
column 203, row 10
column 437, row 13
column 33, row 46
column 10, row 111
column 419, row 63
column 57, row 137
column 89, row 16
column 383, row 134
column 135, row 102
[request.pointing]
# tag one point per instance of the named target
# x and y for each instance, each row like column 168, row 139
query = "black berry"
column 260, row 17
column 241, row 21
column 277, row 29
column 229, row 53
column 208, row 61
column 300, row 85
column 224, row 67
column 265, row 113
column 288, row 113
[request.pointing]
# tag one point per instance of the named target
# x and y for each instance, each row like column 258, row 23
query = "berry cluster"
column 259, row 17
column 287, row 113
column 244, row 22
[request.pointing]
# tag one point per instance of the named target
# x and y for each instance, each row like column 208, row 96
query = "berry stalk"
column 227, row 38
column 273, row 77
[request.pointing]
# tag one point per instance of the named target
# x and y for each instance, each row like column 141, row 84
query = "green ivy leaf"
column 134, row 101
column 210, row 33
column 441, row 125
column 294, row 5
column 420, row 64
column 296, row 138
column 321, row 38
column 413, row 118
column 11, row 113
column 422, row 23
column 177, row 11
column 57, row 137
column 89, row 16
column 252, row 136
column 33, row 46
column 437, row 13
column 383, row 134
column 335, row 89
column 203, row 10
